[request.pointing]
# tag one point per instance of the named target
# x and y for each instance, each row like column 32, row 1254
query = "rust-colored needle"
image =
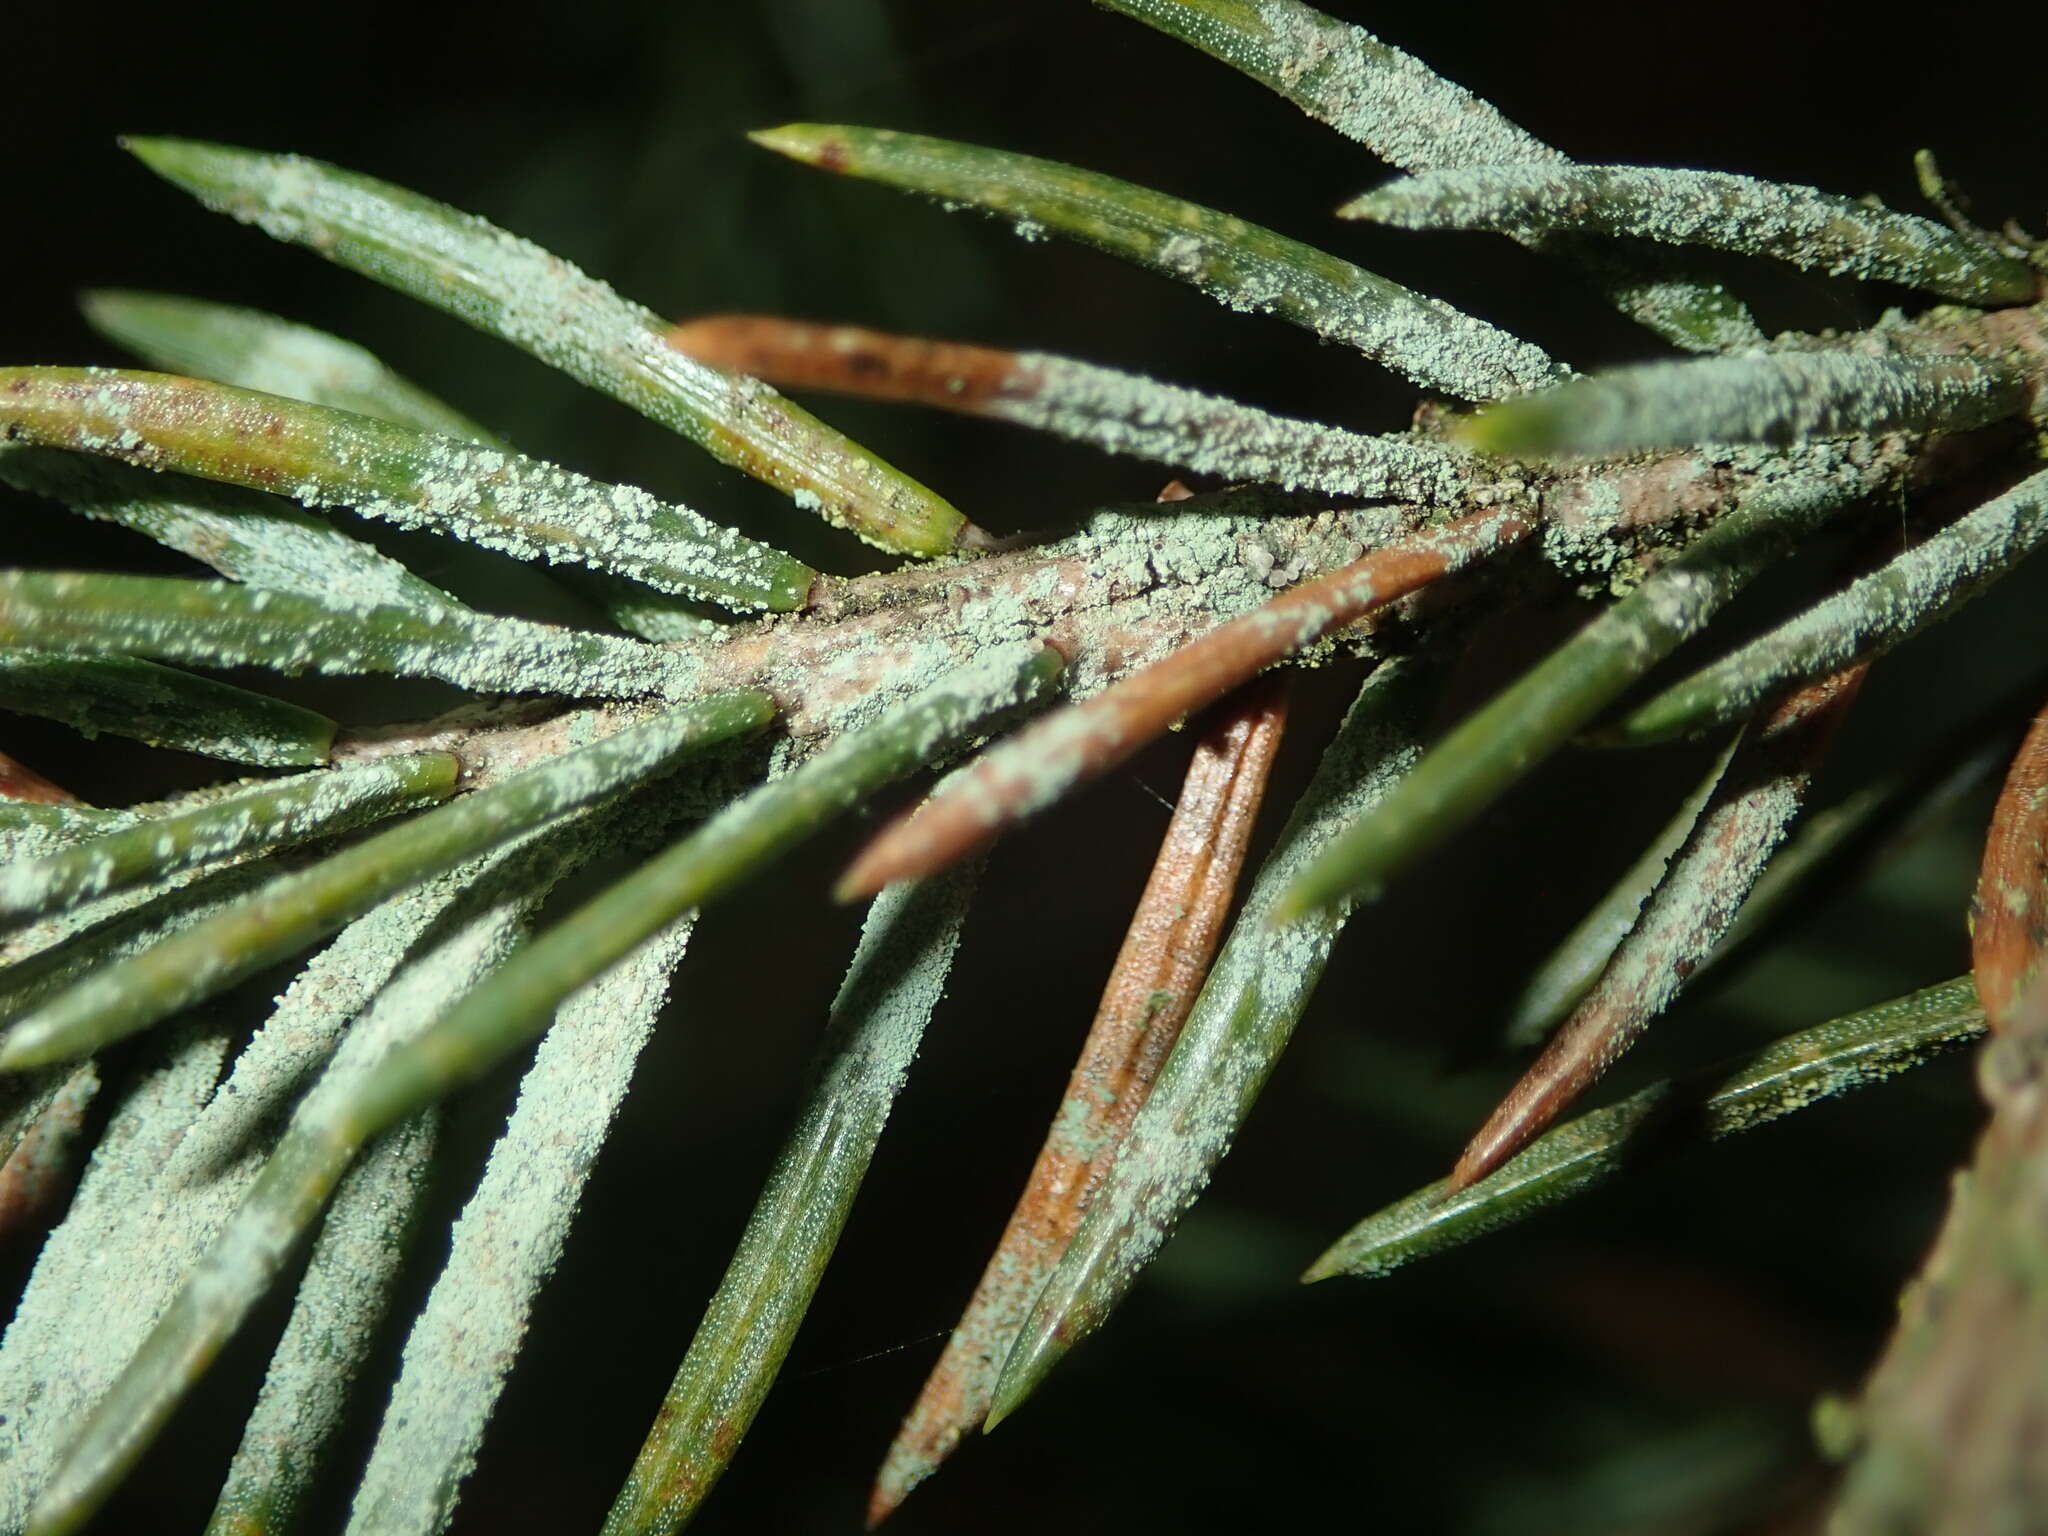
column 1165, row 956
column 1737, row 831
column 20, row 782
column 2009, row 912
column 796, row 354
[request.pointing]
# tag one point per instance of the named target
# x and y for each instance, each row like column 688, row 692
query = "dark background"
column 1641, row 1362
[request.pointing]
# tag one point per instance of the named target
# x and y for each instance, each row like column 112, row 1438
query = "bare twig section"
column 1743, row 823
column 1946, row 1440
column 1158, row 972
column 18, row 781
column 1066, row 749
column 2007, row 913
column 1119, row 412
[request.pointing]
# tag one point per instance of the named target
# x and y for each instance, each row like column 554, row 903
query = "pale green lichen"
column 1368, row 90
column 1802, row 225
column 255, row 350
column 506, row 1242
column 261, row 352
column 515, row 1005
column 1538, row 713
column 347, row 1290
column 531, row 510
column 79, row 1316
column 127, row 696
column 1158, row 576
column 292, row 912
column 1046, row 760
column 67, row 948
column 243, row 534
column 233, row 1204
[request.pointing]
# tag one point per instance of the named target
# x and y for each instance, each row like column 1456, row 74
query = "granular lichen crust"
column 246, row 535
column 1342, row 75
column 129, row 697
column 1127, row 413
column 263, row 816
column 86, row 1304
column 264, row 352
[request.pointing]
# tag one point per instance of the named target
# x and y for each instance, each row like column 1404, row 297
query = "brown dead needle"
column 18, row 781
column 1158, row 973
column 1741, row 823
column 849, row 359
column 2009, row 912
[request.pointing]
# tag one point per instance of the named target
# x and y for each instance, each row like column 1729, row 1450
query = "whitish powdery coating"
column 221, row 624
column 79, row 1316
column 1388, row 100
column 878, row 1018
column 1802, row 225
column 1238, row 263
column 1406, row 113
column 127, row 696
column 1876, row 612
column 73, row 946
column 506, row 1243
column 1127, row 413
column 122, row 1267
column 254, row 350
column 260, row 816
column 243, row 534
column 1261, row 982
column 512, row 288
column 1783, row 397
